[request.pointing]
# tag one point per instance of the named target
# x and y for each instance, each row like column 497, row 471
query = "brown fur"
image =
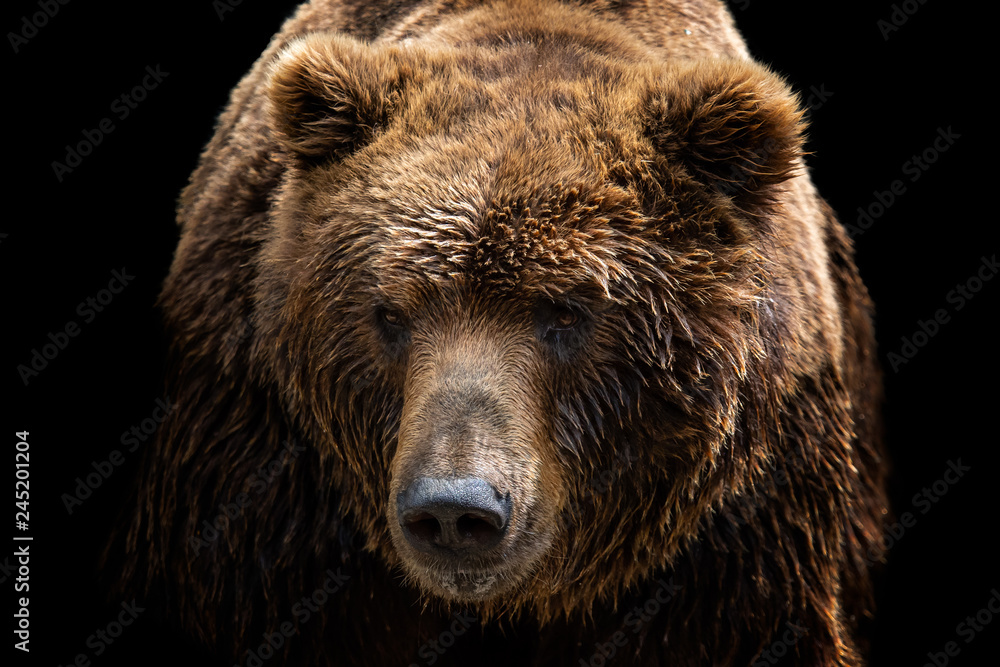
column 397, row 205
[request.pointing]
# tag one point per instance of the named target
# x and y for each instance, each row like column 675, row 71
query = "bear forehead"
column 507, row 221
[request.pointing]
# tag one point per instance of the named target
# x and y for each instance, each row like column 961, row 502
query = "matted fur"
column 467, row 167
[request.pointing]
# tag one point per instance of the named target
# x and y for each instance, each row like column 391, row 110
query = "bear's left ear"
column 330, row 94
column 733, row 124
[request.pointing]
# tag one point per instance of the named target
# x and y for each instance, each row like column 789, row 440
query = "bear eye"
column 558, row 318
column 393, row 326
column 565, row 329
column 391, row 319
column 564, row 318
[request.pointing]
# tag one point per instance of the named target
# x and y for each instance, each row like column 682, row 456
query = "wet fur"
column 464, row 167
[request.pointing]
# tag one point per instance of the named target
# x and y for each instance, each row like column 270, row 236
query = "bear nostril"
column 424, row 527
column 476, row 528
column 445, row 516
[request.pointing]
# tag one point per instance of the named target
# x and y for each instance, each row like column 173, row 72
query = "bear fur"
column 571, row 248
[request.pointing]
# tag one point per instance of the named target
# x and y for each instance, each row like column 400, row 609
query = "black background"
column 886, row 101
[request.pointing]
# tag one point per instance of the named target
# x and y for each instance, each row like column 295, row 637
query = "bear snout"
column 453, row 518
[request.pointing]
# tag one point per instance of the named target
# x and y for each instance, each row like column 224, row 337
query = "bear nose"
column 467, row 515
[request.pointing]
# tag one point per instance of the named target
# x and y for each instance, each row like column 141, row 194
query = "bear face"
column 498, row 273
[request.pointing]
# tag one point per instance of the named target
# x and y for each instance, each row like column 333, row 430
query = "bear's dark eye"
column 393, row 318
column 392, row 322
column 564, row 318
column 393, row 326
column 565, row 328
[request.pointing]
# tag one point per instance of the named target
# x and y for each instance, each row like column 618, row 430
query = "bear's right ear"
column 330, row 94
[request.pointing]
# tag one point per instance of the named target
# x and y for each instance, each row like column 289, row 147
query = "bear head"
column 518, row 289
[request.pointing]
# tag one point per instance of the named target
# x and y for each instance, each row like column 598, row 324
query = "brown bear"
column 513, row 333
